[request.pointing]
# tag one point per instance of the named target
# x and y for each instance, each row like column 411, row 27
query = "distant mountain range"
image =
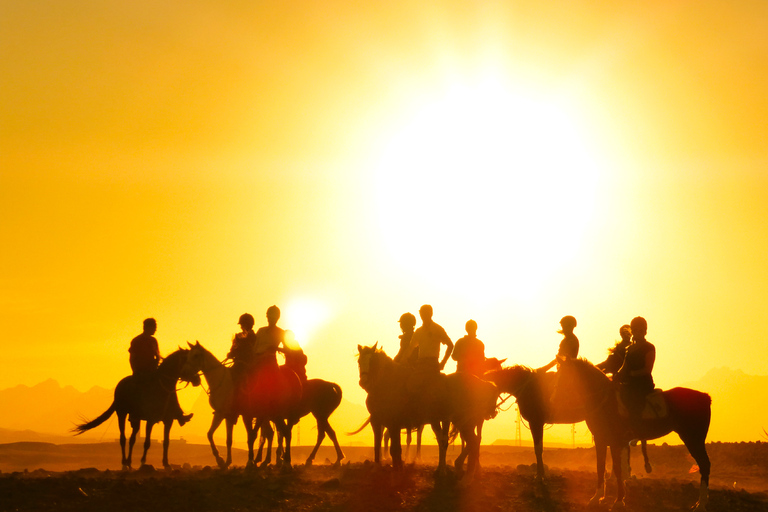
column 47, row 412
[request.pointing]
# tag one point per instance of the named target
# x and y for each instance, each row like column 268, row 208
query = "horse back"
column 686, row 402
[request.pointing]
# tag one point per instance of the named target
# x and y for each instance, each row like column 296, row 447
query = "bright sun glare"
column 304, row 316
column 485, row 190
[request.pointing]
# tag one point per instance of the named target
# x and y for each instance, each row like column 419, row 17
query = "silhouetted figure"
column 242, row 350
column 144, row 350
column 635, row 374
column 270, row 340
column 407, row 326
column 295, row 358
column 427, row 339
column 615, row 358
column 569, row 346
column 145, row 358
column 469, row 352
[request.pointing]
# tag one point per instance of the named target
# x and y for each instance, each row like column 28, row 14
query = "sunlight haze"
column 508, row 162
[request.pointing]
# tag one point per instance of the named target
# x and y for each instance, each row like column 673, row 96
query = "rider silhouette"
column 241, row 352
column 469, row 352
column 569, row 346
column 270, row 340
column 427, row 339
column 145, row 358
column 616, row 353
column 407, row 326
column 144, row 350
column 635, row 374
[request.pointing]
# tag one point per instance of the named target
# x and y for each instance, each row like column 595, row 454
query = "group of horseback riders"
column 253, row 355
column 629, row 363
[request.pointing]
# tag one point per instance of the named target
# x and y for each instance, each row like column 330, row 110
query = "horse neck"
column 170, row 368
column 388, row 374
column 213, row 370
column 593, row 382
column 515, row 380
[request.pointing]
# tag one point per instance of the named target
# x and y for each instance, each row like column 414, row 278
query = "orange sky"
column 510, row 163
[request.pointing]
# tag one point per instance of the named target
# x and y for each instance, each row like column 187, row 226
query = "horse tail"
column 367, row 421
column 94, row 423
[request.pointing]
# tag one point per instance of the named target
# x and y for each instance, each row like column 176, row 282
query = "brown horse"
column 689, row 414
column 319, row 398
column 275, row 407
column 533, row 391
column 151, row 398
column 464, row 401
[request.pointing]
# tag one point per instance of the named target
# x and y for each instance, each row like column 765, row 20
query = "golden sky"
column 510, row 162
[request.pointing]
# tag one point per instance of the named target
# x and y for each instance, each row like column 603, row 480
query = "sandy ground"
column 506, row 483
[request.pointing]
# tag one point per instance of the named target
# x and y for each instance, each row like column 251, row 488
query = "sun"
column 485, row 189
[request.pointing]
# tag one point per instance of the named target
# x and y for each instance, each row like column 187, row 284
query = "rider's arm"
column 447, row 342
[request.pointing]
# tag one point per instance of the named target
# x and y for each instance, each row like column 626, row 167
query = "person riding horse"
column 635, row 374
column 469, row 352
column 427, row 339
column 616, row 353
column 407, row 325
column 569, row 346
column 144, row 359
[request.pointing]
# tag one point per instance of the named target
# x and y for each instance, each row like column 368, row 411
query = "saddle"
column 655, row 406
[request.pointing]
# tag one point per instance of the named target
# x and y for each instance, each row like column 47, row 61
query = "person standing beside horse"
column 635, row 374
column 469, row 352
column 145, row 358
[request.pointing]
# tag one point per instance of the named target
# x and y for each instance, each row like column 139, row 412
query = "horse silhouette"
column 533, row 391
column 150, row 398
column 689, row 414
column 319, row 398
column 464, row 401
column 261, row 406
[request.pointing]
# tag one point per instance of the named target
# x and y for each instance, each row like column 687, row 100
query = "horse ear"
column 359, row 348
column 197, row 343
column 375, row 345
column 502, row 360
column 190, row 345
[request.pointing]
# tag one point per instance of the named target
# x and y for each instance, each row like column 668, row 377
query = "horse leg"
column 135, row 425
column 121, row 425
column 600, row 449
column 147, row 441
column 217, row 419
column 395, row 448
column 286, row 428
column 698, row 450
column 262, row 440
column 408, row 439
column 166, row 442
column 267, row 431
column 617, row 450
column 250, row 431
column 322, row 424
column 387, row 436
column 441, row 430
column 473, row 465
column 458, row 464
column 419, row 432
column 537, row 432
column 644, row 449
column 332, row 435
column 230, row 426
column 376, row 427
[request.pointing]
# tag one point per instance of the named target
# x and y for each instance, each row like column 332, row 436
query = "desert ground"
column 87, row 477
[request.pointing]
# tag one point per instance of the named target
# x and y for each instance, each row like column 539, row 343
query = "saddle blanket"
column 655, row 406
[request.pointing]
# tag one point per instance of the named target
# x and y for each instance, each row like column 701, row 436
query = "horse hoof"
column 618, row 505
column 648, row 468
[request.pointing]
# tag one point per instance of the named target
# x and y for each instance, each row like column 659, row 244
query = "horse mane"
column 587, row 366
column 171, row 360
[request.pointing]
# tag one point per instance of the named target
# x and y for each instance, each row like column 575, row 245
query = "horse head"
column 175, row 367
column 513, row 380
column 367, row 364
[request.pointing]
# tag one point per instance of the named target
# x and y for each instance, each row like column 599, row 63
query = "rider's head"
column 625, row 332
column 471, row 327
column 150, row 326
column 273, row 315
column 568, row 323
column 425, row 312
column 639, row 327
column 246, row 321
column 407, row 321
